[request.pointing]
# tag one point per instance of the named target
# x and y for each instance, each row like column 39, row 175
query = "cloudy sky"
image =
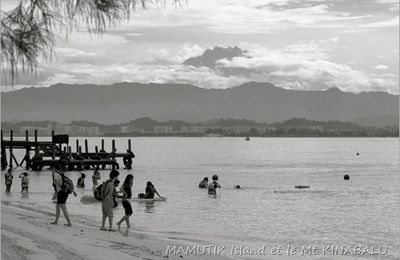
column 297, row 44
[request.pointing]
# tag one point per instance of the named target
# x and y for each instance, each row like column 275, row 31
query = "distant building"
column 197, row 129
column 265, row 128
column 163, row 129
column 86, row 130
column 318, row 128
column 31, row 129
column 63, row 129
column 237, row 129
column 128, row 129
column 77, row 130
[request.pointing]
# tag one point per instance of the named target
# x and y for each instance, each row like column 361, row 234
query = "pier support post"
column 36, row 138
column 113, row 153
column 11, row 148
column 3, row 154
column 53, row 152
column 86, row 147
column 27, row 157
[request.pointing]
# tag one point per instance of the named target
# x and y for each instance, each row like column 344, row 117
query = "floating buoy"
column 237, row 186
column 357, row 153
column 346, row 177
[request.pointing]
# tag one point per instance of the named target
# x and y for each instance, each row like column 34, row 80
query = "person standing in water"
column 126, row 187
column 128, row 212
column 81, row 181
column 115, row 192
column 96, row 176
column 62, row 192
column 24, row 182
column 212, row 187
column 204, row 183
column 108, row 201
column 9, row 179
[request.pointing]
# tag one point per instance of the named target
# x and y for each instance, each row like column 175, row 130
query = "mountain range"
column 261, row 102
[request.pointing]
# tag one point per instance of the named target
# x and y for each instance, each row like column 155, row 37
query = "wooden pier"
column 57, row 151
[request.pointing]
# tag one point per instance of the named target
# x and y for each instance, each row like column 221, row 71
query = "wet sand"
column 28, row 234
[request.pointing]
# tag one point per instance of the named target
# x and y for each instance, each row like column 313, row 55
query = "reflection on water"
column 361, row 211
column 149, row 207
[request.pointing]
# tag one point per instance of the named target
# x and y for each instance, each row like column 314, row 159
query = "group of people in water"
column 106, row 192
column 211, row 187
column 63, row 187
column 214, row 185
column 9, row 181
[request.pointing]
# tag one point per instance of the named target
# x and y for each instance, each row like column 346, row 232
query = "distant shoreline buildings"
column 219, row 127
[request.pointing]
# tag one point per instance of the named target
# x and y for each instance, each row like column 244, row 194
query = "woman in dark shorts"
column 62, row 197
column 128, row 212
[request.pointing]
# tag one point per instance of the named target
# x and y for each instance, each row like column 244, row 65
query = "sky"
column 295, row 44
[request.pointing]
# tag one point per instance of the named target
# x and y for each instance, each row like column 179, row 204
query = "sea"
column 333, row 218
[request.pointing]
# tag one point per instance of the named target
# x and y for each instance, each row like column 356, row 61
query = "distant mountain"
column 210, row 57
column 122, row 102
column 378, row 121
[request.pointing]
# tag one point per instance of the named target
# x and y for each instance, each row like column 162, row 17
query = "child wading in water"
column 24, row 182
column 81, row 181
column 128, row 212
column 9, row 179
column 212, row 187
column 96, row 177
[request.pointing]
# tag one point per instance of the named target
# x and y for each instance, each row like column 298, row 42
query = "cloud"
column 72, row 53
column 112, row 73
column 185, row 52
column 381, row 67
column 393, row 22
column 394, row 4
column 243, row 17
column 306, row 66
column 259, row 56
column 82, row 39
column 133, row 34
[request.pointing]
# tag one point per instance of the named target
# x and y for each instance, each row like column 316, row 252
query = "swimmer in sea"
column 212, row 187
column 204, row 183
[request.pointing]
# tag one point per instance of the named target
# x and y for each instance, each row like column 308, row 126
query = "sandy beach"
column 28, row 234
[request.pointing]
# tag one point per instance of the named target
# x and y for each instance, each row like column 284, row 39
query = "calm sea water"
column 363, row 211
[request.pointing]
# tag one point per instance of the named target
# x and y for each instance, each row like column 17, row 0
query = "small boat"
column 247, row 138
column 302, row 186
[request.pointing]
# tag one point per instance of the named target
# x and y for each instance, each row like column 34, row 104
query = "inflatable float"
column 91, row 199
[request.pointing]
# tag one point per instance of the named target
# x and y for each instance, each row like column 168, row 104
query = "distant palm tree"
column 27, row 31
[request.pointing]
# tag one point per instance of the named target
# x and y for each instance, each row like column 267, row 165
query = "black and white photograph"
column 200, row 130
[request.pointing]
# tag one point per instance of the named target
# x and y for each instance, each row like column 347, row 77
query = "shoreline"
column 28, row 234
